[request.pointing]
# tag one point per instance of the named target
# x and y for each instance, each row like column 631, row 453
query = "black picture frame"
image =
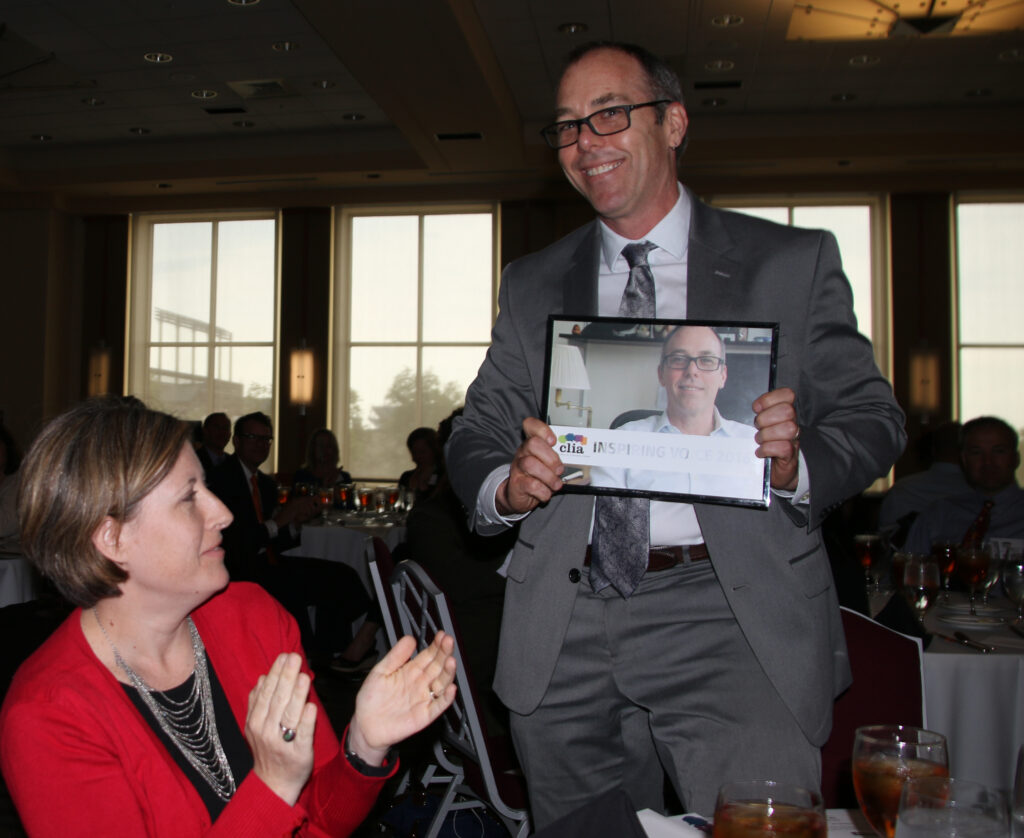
column 616, row 419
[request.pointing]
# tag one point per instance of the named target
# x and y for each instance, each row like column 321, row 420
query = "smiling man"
column 647, row 636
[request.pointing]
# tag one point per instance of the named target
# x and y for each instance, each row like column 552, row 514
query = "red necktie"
column 976, row 531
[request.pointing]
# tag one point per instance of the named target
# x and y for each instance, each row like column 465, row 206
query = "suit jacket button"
column 574, row 575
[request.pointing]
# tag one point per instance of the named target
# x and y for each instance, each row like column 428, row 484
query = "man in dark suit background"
column 722, row 662
column 216, row 432
column 262, row 530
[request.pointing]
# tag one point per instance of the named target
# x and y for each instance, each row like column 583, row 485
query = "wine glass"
column 920, row 584
column 971, row 567
column 944, row 553
column 995, row 569
column 868, row 549
column 884, row 757
column 1013, row 583
column 941, row 807
column 756, row 808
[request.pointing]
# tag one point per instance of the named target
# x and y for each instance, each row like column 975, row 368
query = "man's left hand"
column 778, row 435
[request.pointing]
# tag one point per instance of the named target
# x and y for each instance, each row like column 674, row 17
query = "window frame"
column 138, row 326
column 341, row 291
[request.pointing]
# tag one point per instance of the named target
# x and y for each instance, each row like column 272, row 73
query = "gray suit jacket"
column 771, row 563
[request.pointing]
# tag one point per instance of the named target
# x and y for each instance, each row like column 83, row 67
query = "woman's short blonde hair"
column 99, row 459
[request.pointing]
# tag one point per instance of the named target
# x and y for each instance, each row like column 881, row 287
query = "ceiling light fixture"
column 158, row 57
column 979, row 92
column 205, row 93
column 723, row 21
column 843, row 97
column 864, row 60
column 574, row 28
column 714, row 103
column 93, row 102
column 324, row 84
column 243, row 2
column 244, row 123
column 720, row 65
column 285, row 46
column 353, row 116
column 42, row 138
column 139, row 131
column 1014, row 54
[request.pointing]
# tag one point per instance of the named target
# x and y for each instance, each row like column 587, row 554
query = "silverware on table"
column 965, row 641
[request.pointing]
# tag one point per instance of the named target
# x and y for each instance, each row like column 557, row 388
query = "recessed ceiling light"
column 353, row 117
column 843, row 97
column 92, row 101
column 714, row 103
column 158, row 57
column 573, row 28
column 205, row 93
column 324, row 84
column 727, row 20
column 244, row 123
column 864, row 60
column 720, row 65
column 978, row 92
column 243, row 2
column 42, row 138
column 285, row 46
column 139, row 131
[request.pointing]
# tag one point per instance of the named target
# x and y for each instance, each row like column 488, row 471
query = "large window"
column 859, row 227
column 990, row 299
column 415, row 305
column 204, row 313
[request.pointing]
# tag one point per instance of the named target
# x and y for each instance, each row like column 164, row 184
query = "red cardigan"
column 79, row 759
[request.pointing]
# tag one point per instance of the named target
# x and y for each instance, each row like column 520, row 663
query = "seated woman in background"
column 321, row 467
column 425, row 453
column 170, row 702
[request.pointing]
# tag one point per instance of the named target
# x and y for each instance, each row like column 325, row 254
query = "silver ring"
column 433, row 695
column 287, row 733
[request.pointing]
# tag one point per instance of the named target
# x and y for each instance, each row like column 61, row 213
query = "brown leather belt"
column 662, row 558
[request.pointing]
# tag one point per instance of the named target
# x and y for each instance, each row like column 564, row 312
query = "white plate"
column 981, row 608
column 967, row 621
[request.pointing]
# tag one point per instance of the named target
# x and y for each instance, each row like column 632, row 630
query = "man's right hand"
column 535, row 473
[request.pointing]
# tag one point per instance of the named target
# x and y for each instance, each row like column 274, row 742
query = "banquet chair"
column 381, row 565
column 485, row 773
column 887, row 688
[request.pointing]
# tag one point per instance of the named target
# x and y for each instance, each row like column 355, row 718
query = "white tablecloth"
column 16, row 581
column 976, row 700
column 347, row 544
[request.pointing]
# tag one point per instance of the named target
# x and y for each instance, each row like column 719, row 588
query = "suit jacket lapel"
column 713, row 277
column 580, row 289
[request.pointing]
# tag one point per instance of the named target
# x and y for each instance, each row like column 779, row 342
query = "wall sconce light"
column 99, row 370
column 301, row 391
column 568, row 372
column 925, row 386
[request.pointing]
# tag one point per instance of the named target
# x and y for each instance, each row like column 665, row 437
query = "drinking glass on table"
column 1013, row 583
column 364, row 496
column 944, row 553
column 920, row 583
column 995, row 569
column 971, row 568
column 325, row 498
column 868, row 549
column 942, row 807
column 884, row 758
column 756, row 808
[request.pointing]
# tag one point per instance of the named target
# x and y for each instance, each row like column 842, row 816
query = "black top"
column 231, row 739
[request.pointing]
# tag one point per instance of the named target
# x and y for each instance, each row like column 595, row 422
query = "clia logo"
column 572, row 443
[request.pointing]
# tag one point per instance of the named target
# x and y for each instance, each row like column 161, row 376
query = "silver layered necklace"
column 190, row 724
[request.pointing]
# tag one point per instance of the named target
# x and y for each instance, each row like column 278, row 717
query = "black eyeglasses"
column 257, row 437
column 611, row 120
column 682, row 361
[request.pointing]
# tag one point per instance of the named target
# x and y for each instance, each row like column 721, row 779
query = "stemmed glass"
column 995, row 569
column 944, row 553
column 884, row 758
column 868, row 549
column 756, row 808
column 971, row 568
column 1013, row 583
column 941, row 807
column 920, row 584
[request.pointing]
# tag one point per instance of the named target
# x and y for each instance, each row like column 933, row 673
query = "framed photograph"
column 659, row 408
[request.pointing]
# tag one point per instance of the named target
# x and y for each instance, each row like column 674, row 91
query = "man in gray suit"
column 720, row 660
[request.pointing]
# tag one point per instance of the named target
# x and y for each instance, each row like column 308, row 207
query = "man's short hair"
column 209, row 419
column 672, row 334
column 988, row 422
column 257, row 416
column 661, row 78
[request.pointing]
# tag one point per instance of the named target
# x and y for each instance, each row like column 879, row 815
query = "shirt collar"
column 671, row 234
column 665, row 426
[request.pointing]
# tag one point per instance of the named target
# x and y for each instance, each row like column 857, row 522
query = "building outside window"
column 203, row 320
column 990, row 300
column 414, row 304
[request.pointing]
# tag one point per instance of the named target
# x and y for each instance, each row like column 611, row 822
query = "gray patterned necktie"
column 620, row 542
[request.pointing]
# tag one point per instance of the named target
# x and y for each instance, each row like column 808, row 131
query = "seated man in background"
column 260, row 532
column 943, row 478
column 216, row 432
column 993, row 504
